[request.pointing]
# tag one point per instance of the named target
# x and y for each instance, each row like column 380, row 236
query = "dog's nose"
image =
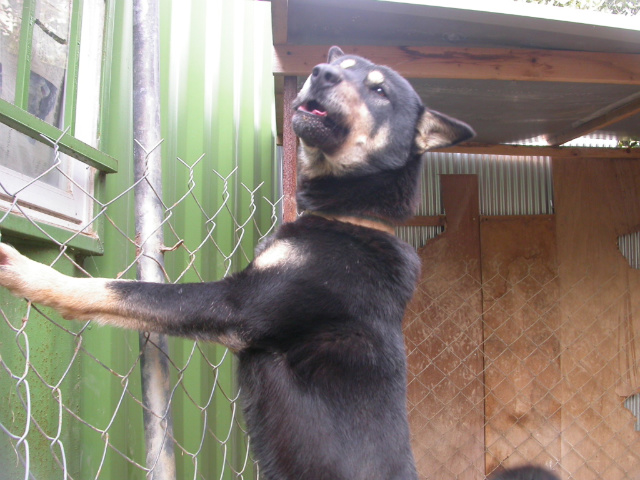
column 325, row 75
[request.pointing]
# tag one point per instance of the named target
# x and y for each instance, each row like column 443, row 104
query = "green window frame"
column 17, row 117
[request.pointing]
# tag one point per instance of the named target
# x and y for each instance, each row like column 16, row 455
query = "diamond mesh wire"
column 511, row 370
column 511, row 366
column 71, row 391
column 513, row 357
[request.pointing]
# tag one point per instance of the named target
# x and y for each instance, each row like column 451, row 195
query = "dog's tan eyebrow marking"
column 348, row 63
column 375, row 77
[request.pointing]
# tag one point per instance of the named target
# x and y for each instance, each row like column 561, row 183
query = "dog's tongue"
column 315, row 111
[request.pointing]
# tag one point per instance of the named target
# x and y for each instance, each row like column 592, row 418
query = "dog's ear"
column 437, row 130
column 334, row 53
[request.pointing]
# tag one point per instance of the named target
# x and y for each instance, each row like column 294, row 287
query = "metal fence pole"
column 149, row 218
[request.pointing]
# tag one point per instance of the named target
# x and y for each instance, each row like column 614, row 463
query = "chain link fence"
column 522, row 338
column 532, row 377
column 513, row 357
column 71, row 392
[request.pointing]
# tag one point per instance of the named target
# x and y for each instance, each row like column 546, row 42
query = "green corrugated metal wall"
column 217, row 100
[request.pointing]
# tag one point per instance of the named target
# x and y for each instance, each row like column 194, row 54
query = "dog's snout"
column 325, row 75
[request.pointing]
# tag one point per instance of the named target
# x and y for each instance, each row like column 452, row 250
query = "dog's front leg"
column 208, row 311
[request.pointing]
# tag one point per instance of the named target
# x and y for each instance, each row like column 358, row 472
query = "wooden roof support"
column 290, row 153
column 475, row 63
column 543, row 151
column 426, row 221
column 609, row 117
column 280, row 20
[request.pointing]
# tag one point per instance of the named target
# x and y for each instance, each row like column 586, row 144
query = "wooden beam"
column 279, row 97
column 543, row 151
column 549, row 217
column 476, row 63
column 426, row 221
column 609, row 117
column 280, row 21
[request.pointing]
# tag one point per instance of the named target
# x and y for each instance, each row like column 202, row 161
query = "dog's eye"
column 380, row 91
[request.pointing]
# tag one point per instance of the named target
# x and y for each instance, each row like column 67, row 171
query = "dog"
column 315, row 319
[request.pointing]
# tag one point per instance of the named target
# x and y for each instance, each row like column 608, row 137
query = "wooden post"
column 290, row 159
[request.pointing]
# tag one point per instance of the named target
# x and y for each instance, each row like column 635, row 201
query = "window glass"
column 29, row 157
column 89, row 73
column 50, row 48
column 10, row 21
column 54, row 185
column 62, row 202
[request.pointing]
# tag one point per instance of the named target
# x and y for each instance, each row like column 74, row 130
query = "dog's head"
column 355, row 117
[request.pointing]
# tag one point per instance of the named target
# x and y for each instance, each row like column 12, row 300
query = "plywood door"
column 484, row 392
column 523, row 379
column 523, row 335
column 443, row 331
column 597, row 200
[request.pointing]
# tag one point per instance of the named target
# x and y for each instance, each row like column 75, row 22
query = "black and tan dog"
column 316, row 318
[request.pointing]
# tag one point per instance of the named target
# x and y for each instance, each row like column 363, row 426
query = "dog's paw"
column 19, row 274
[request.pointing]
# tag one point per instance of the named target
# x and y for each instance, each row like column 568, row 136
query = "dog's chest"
column 326, row 249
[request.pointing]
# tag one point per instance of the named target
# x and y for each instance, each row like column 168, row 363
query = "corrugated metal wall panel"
column 218, row 104
column 629, row 246
column 508, row 185
column 633, row 404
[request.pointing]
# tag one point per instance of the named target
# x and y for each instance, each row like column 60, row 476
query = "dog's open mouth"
column 314, row 108
column 318, row 126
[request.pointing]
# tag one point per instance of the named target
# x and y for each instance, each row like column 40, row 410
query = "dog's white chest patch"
column 281, row 254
